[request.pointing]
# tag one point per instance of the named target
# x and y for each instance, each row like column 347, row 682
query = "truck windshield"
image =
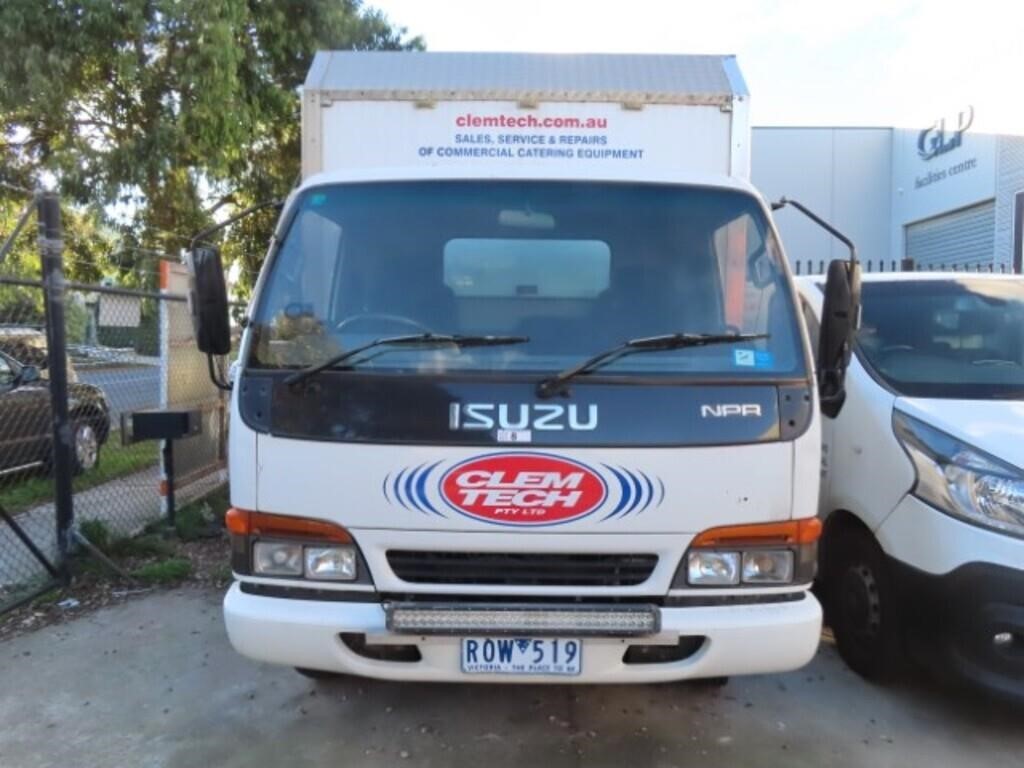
column 960, row 337
column 573, row 267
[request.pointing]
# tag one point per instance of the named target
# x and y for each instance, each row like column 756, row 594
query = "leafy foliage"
column 160, row 113
column 168, row 571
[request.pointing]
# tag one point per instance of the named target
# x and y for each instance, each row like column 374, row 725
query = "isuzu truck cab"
column 524, row 392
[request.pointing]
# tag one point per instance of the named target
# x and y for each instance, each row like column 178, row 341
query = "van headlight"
column 960, row 480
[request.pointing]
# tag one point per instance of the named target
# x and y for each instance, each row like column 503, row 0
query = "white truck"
column 922, row 554
column 523, row 392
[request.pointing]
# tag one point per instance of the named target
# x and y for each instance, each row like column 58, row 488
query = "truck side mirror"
column 840, row 318
column 208, row 301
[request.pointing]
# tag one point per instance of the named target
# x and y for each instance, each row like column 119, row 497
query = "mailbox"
column 159, row 425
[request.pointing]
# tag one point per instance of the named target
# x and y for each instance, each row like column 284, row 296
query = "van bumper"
column 735, row 640
column 953, row 622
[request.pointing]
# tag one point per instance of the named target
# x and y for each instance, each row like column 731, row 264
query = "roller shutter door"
column 958, row 239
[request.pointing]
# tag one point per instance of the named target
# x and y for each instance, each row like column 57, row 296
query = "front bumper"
column 952, row 621
column 739, row 639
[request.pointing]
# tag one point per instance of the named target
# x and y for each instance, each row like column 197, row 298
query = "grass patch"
column 98, row 534
column 164, row 571
column 149, row 545
column 116, row 461
column 202, row 519
column 47, row 598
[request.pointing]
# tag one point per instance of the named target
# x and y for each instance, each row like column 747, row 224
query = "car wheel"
column 85, row 453
column 862, row 607
column 319, row 674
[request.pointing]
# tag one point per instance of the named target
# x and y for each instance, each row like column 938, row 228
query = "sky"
column 903, row 63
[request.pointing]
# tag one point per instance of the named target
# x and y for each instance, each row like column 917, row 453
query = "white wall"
column 925, row 188
column 842, row 174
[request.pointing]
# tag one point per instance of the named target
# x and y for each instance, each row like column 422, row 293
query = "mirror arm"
column 784, row 201
column 215, row 376
column 200, row 237
column 202, row 234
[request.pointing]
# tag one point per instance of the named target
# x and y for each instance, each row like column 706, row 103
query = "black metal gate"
column 34, row 425
column 74, row 358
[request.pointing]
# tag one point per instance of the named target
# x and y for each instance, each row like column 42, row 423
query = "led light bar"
column 512, row 619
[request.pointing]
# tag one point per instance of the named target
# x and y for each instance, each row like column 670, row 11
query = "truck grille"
column 516, row 569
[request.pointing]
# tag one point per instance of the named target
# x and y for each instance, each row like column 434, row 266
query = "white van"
column 524, row 393
column 922, row 487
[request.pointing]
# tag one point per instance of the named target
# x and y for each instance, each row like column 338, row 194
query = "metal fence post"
column 51, row 248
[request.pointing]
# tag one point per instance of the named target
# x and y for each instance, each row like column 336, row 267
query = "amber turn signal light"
column 245, row 522
column 789, row 532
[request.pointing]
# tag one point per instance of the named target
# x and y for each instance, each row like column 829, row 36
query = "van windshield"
column 960, row 337
column 575, row 267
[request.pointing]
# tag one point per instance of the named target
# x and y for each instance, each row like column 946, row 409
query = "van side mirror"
column 208, row 301
column 840, row 317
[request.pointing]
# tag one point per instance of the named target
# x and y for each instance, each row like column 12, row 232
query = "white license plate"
column 521, row 655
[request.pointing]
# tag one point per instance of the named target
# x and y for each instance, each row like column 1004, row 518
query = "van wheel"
column 319, row 674
column 862, row 607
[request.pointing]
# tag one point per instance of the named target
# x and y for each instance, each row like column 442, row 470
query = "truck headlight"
column 710, row 568
column 960, row 480
column 752, row 555
column 293, row 547
column 277, row 558
column 331, row 563
column 767, row 566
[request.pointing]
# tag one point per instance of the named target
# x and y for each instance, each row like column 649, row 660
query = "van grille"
column 517, row 569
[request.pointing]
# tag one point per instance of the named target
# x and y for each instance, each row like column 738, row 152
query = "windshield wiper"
column 555, row 384
column 412, row 340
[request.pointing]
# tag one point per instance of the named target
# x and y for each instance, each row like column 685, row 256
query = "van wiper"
column 555, row 384
column 412, row 340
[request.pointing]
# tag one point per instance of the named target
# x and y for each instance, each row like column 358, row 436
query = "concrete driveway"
column 153, row 682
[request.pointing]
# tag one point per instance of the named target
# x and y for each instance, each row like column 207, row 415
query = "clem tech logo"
column 523, row 489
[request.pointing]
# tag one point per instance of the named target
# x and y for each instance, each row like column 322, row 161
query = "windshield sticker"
column 752, row 358
column 523, row 489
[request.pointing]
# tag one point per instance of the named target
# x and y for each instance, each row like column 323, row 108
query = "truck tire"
column 861, row 606
column 319, row 674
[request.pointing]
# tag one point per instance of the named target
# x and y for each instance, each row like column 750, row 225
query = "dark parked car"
column 26, row 425
column 27, row 345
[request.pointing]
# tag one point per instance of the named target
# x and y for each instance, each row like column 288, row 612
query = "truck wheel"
column 319, row 674
column 862, row 607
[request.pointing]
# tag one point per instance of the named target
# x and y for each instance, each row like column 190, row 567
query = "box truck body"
column 524, row 392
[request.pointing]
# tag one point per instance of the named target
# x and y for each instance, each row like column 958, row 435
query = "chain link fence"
column 127, row 349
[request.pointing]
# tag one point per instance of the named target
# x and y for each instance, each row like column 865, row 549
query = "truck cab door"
column 827, row 424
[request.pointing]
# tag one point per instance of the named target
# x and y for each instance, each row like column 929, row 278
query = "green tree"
column 168, row 110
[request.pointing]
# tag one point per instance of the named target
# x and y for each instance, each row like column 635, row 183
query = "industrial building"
column 942, row 196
